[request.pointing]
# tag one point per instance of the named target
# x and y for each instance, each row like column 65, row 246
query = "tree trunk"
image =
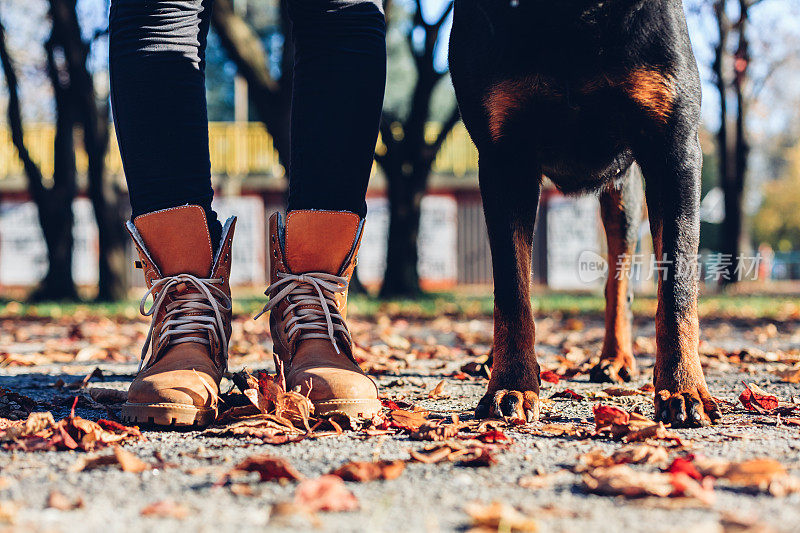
column 401, row 277
column 54, row 204
column 93, row 117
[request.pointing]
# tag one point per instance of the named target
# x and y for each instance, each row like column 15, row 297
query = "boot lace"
column 191, row 316
column 312, row 305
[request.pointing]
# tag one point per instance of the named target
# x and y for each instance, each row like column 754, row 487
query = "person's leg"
column 156, row 56
column 339, row 80
column 158, row 99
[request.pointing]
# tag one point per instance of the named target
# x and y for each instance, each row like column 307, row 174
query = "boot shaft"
column 176, row 255
column 312, row 242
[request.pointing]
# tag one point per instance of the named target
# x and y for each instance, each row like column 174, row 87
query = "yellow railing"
column 236, row 150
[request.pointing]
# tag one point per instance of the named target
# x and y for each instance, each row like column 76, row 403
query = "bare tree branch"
column 32, row 170
column 443, row 18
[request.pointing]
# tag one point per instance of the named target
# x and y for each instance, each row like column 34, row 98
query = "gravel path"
column 425, row 497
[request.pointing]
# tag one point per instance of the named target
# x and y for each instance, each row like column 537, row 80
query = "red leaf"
column 269, row 468
column 684, row 465
column 755, row 399
column 605, row 415
column 326, row 493
column 493, row 436
column 550, row 376
column 366, row 471
column 569, row 394
column 389, row 404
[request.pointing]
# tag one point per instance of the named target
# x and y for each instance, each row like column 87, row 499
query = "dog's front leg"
column 672, row 176
column 510, row 198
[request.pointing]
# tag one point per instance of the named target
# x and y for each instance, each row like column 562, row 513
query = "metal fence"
column 237, row 149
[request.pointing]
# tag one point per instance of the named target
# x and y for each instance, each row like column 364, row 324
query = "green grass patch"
column 453, row 304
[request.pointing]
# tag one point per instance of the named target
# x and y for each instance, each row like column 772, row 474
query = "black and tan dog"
column 579, row 91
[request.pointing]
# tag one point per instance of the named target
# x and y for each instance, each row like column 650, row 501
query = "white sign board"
column 23, row 253
column 436, row 244
column 573, row 238
column 249, row 242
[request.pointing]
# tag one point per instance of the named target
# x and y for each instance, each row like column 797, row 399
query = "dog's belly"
column 580, row 148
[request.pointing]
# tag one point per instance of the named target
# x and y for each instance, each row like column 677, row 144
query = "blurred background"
column 62, row 191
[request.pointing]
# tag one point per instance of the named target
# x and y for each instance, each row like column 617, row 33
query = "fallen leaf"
column 369, row 471
column 165, row 509
column 550, row 376
column 41, row 432
column 407, row 420
column 757, row 473
column 493, row 436
column 568, row 394
column 622, row 480
column 499, row 516
column 622, row 391
column 269, row 468
column 789, row 376
column 540, row 481
column 58, row 500
column 684, row 465
column 606, row 415
column 755, row 399
column 437, row 391
column 126, row 460
column 325, row 493
column 437, row 431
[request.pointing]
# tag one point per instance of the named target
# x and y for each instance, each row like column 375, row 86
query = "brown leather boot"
column 186, row 351
column 313, row 257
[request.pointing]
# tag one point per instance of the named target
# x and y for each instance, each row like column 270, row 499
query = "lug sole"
column 353, row 408
column 167, row 415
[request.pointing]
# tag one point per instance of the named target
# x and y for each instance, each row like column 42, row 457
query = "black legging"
column 157, row 50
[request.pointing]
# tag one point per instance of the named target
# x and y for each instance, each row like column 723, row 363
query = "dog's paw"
column 686, row 408
column 512, row 405
column 617, row 369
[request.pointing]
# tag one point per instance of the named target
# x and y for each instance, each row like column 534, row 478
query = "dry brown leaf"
column 470, row 453
column 58, row 500
column 622, row 480
column 128, row 462
column 325, row 493
column 498, row 516
column 631, row 454
column 269, row 468
column 8, row 511
column 33, row 424
column 165, row 509
column 407, row 420
column 369, row 471
column 623, row 391
column 641, row 454
column 438, row 391
column 41, row 432
column 270, row 429
column 763, row 474
column 789, row 376
column 540, row 481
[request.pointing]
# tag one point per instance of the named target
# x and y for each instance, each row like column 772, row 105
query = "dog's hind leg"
column 621, row 210
column 510, row 199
